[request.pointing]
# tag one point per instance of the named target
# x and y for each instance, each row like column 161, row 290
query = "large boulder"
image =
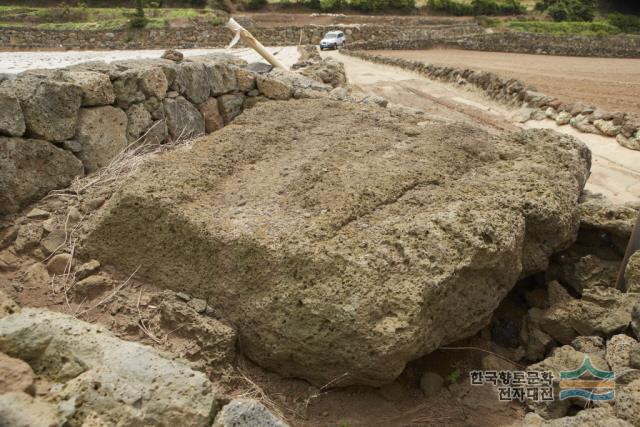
column 96, row 87
column 192, row 81
column 184, row 121
column 351, row 250
column 281, row 84
column 123, row 383
column 30, row 168
column 327, row 71
column 564, row 358
column 102, row 133
column 601, row 312
column 50, row 107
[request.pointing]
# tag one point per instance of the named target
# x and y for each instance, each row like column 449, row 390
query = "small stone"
column 589, row 345
column 37, row 213
column 247, row 413
column 431, row 383
column 74, row 215
column 58, row 264
column 173, row 55
column 92, row 287
column 15, row 375
column 9, row 236
column 95, row 203
column 49, row 225
column 54, row 241
column 28, row 236
column 87, row 269
column 183, row 296
column 73, row 146
column 37, row 275
column 618, row 352
column 8, row 260
column 172, row 94
column 199, row 305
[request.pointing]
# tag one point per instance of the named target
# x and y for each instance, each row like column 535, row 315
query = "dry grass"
column 103, row 182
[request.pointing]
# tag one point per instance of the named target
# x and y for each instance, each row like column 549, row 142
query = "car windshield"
column 330, row 36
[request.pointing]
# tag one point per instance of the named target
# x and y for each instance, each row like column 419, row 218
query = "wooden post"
column 632, row 247
column 246, row 37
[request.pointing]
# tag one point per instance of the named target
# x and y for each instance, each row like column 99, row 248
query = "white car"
column 333, row 40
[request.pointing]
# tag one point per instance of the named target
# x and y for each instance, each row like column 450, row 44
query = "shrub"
column 256, row 4
column 568, row 10
column 477, row 7
column 626, row 23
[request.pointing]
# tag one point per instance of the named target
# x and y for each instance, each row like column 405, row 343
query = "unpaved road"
column 615, row 170
column 16, row 62
column 609, row 83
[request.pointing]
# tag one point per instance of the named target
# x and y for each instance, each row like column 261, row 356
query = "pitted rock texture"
column 346, row 251
column 30, row 168
column 121, row 382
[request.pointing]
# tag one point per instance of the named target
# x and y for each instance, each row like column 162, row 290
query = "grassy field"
column 85, row 18
column 597, row 27
column 526, row 3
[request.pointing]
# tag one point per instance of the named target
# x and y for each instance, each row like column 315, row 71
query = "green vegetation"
column 600, row 27
column 350, row 5
column 626, row 23
column 138, row 20
column 476, row 7
column 568, row 10
column 92, row 19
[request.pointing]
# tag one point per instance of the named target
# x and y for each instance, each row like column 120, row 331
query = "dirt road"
column 609, row 83
column 615, row 170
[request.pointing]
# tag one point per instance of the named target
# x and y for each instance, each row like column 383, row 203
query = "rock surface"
column 18, row 409
column 246, row 413
column 334, row 254
column 184, row 121
column 30, row 168
column 102, row 132
column 11, row 118
column 596, row 417
column 124, row 383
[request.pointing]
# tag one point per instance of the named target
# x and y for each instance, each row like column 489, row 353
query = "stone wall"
column 56, row 125
column 210, row 36
column 625, row 127
column 543, row 44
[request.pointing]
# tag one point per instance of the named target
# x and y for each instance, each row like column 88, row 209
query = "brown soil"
column 609, row 83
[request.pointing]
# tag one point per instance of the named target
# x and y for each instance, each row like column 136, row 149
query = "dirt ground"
column 615, row 171
column 609, row 83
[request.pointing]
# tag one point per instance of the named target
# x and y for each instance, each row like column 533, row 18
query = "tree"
column 138, row 20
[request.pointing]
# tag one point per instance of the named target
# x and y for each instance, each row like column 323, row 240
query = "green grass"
column 598, row 27
column 93, row 19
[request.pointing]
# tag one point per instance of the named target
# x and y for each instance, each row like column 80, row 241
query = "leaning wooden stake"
column 632, row 247
column 241, row 33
